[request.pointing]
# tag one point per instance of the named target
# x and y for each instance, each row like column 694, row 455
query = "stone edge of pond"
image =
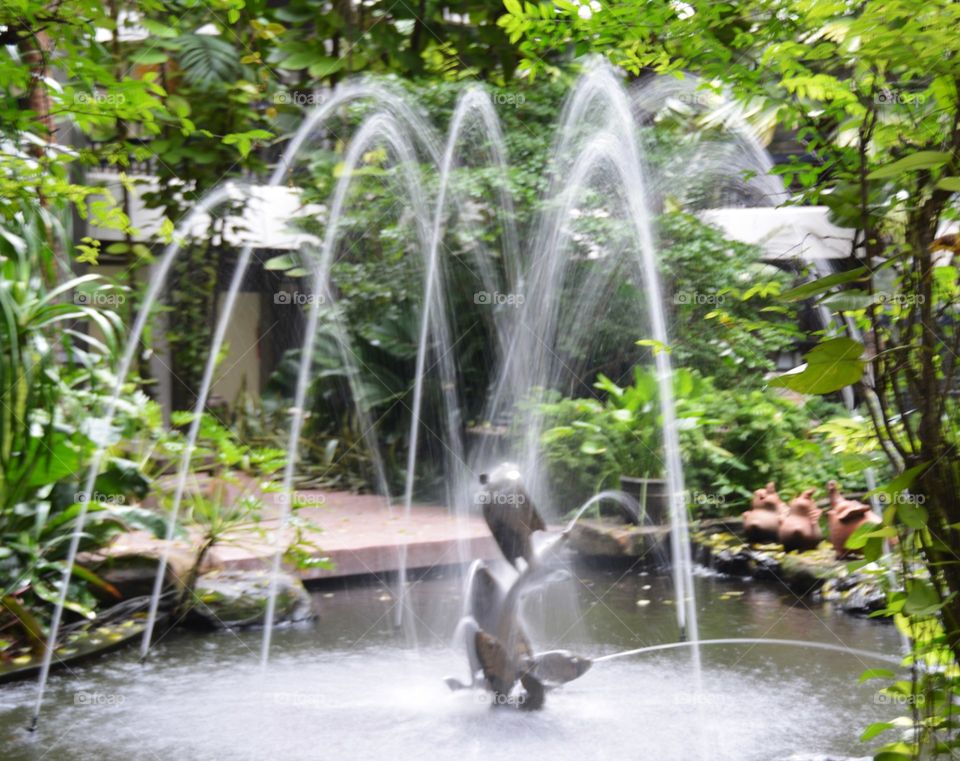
column 88, row 644
column 717, row 544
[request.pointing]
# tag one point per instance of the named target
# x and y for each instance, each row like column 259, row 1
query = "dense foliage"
column 732, row 439
column 871, row 93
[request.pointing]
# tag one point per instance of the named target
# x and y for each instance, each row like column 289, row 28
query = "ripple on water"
column 387, row 703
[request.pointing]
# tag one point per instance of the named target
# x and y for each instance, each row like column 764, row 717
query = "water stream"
column 597, row 154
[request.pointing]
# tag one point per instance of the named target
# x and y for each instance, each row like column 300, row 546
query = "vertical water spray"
column 598, row 132
column 386, row 98
column 157, row 282
column 472, row 104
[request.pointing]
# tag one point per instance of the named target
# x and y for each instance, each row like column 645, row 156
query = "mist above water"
column 536, row 308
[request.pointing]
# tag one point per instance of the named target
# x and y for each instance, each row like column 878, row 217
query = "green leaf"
column 950, row 183
column 149, row 57
column 875, row 729
column 876, row 674
column 158, row 29
column 912, row 516
column 325, row 67
column 829, row 366
column 847, row 301
column 244, row 140
column 91, row 578
column 820, row 285
column 592, row 448
column 281, row 262
column 912, row 163
column 922, row 598
column 657, row 346
column 892, row 490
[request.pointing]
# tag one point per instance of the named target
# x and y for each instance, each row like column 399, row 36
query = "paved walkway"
column 358, row 533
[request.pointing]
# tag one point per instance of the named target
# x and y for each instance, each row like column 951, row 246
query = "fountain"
column 597, row 152
column 498, row 651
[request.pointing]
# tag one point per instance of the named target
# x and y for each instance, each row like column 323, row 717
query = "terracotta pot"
column 800, row 528
column 761, row 523
column 844, row 517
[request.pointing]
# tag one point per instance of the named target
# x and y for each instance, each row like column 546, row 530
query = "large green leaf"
column 922, row 598
column 823, row 284
column 829, row 366
column 912, row 163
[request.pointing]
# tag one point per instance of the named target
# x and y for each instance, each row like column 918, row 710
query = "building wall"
column 240, row 368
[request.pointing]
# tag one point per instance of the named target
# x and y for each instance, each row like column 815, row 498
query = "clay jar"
column 761, row 523
column 800, row 528
column 845, row 516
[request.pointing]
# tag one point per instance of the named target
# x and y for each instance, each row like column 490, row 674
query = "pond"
column 350, row 685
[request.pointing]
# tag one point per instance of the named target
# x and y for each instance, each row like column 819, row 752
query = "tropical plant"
column 871, row 93
column 726, row 319
column 732, row 441
column 53, row 375
column 224, row 503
